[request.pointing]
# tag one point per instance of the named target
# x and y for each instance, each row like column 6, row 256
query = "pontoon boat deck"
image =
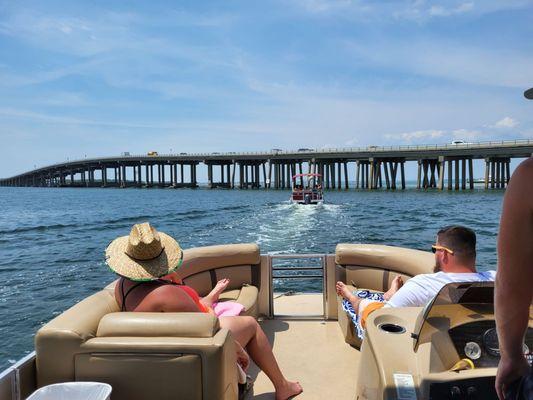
column 408, row 353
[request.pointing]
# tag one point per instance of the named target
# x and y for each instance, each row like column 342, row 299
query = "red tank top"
column 194, row 296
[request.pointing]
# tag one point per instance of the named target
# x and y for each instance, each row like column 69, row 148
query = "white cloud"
column 352, row 142
column 467, row 135
column 421, row 11
column 506, row 122
column 413, row 10
column 450, row 60
column 415, row 135
column 441, row 11
column 324, row 6
column 434, row 135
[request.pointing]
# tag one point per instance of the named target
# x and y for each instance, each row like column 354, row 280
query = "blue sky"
column 99, row 78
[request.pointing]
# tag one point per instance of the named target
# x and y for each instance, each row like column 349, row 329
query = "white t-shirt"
column 419, row 290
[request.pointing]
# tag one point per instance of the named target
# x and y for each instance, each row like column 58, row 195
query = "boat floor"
column 309, row 350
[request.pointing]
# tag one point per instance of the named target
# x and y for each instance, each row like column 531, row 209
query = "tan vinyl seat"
column 142, row 355
column 154, row 355
column 203, row 267
column 374, row 267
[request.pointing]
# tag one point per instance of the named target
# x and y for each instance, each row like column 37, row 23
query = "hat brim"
column 122, row 264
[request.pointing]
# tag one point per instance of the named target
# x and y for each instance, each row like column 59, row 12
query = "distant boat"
column 480, row 180
column 311, row 193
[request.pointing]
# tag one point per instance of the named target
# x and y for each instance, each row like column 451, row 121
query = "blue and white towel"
column 347, row 307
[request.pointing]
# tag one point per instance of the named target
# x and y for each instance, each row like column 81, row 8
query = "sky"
column 89, row 79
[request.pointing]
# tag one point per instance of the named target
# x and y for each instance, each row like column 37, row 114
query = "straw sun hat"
column 144, row 255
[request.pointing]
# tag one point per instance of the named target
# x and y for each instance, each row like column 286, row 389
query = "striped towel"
column 347, row 307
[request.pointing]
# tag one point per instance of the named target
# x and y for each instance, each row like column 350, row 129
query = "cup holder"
column 392, row 328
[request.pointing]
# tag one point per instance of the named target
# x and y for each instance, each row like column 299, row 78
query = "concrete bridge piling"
column 440, row 167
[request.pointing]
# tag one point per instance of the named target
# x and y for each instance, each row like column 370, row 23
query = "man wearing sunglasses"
column 455, row 261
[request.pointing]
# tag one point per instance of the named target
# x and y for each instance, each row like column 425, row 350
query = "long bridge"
column 439, row 166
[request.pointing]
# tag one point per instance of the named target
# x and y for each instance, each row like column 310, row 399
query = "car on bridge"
column 152, row 153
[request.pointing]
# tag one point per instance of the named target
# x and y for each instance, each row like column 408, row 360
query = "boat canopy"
column 309, row 175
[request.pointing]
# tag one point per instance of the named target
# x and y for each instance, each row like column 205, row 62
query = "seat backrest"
column 203, row 266
column 142, row 355
column 59, row 340
column 375, row 266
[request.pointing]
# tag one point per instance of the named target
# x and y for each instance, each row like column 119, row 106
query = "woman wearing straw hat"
column 146, row 262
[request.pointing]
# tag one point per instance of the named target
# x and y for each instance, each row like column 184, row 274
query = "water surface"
column 52, row 241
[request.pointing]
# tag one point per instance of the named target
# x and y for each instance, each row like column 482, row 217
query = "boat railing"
column 10, row 379
column 281, row 272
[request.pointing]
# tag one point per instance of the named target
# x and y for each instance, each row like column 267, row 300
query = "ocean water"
column 52, row 241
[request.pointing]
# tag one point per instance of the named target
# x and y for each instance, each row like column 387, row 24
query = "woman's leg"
column 249, row 334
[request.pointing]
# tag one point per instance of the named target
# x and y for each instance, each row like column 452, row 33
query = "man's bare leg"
column 345, row 292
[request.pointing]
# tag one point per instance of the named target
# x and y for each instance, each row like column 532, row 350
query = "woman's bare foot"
column 342, row 290
column 212, row 297
column 395, row 285
column 288, row 390
column 220, row 287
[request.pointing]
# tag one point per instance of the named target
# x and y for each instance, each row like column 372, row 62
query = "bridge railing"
column 361, row 149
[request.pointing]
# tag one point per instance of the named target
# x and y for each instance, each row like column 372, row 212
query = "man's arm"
column 409, row 295
column 513, row 286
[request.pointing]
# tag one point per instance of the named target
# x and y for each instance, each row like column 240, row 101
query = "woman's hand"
column 243, row 359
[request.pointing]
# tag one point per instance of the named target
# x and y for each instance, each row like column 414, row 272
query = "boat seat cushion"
column 404, row 261
column 140, row 354
column 146, row 324
column 247, row 296
column 203, row 267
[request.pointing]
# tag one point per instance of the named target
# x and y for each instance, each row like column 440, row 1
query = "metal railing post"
column 270, row 288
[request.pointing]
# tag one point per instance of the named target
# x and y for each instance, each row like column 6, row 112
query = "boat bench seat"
column 154, row 355
column 203, row 267
column 374, row 267
column 141, row 355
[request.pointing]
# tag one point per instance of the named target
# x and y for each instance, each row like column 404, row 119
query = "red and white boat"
column 307, row 189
